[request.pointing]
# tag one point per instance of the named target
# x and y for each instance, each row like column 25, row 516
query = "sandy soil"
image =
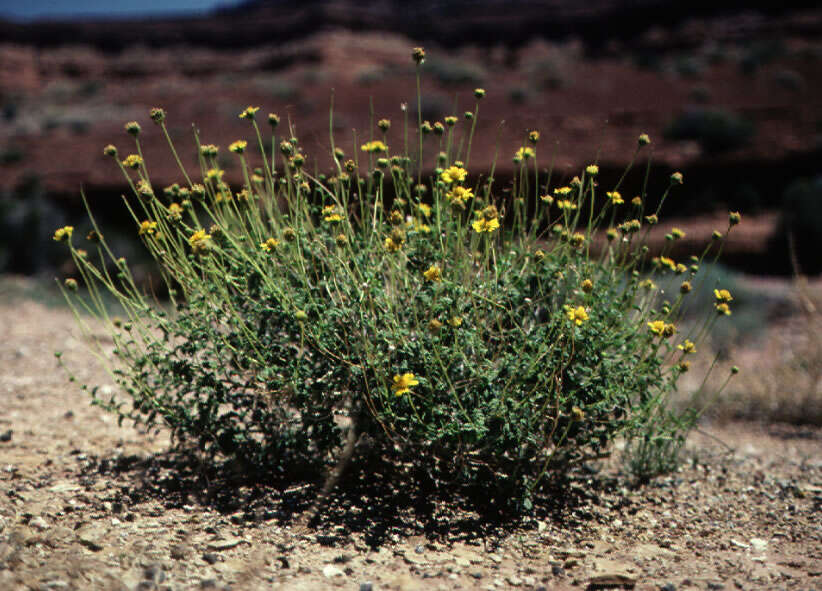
column 85, row 504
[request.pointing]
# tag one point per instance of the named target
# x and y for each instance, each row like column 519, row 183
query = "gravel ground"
column 85, row 504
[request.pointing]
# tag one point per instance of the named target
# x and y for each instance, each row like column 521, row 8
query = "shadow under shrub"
column 311, row 312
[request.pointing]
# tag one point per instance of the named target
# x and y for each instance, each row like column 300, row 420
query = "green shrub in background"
column 716, row 130
column 801, row 224
column 400, row 299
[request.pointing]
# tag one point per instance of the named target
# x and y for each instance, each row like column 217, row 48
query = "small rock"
column 91, row 537
column 367, row 586
column 715, row 586
column 759, row 544
column 56, row 584
column 146, row 586
column 6, row 436
column 154, row 572
column 495, row 558
column 330, row 571
column 514, row 581
column 39, row 524
column 668, row 587
column 284, row 562
column 477, row 574
column 178, row 551
column 557, row 570
column 739, row 544
column 208, row 584
column 609, row 573
column 210, row 557
column 226, row 544
column 419, row 549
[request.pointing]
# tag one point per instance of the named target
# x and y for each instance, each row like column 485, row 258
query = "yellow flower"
column 249, row 112
column 175, row 212
column 576, row 315
column 563, row 191
column 374, row 147
column 592, row 169
column 484, row 225
column 269, row 245
column 547, row 199
column 214, row 174
column 687, row 347
column 199, row 241
column 453, row 174
column 402, row 383
column 667, row 262
column 425, row 210
column 422, row 228
column 657, row 327
column 677, row 233
column 525, row 152
column 587, row 286
column 723, row 309
column 723, row 296
column 391, row 246
column 434, row 273
column 459, row 194
column 615, row 197
column 455, row 321
column 132, row 161
column 331, row 214
column 566, row 204
column 63, row 234
column 647, row 284
column 238, row 147
column 147, row 227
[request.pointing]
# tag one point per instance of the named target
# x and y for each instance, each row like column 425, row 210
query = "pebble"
column 225, row 544
column 715, row 585
column 210, row 557
column 154, row 572
column 330, row 571
column 668, row 587
column 6, row 436
column 759, row 544
column 367, row 586
column 39, row 523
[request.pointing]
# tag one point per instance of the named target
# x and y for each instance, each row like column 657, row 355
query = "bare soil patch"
column 85, row 504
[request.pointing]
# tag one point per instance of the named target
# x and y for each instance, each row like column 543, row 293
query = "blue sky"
column 39, row 9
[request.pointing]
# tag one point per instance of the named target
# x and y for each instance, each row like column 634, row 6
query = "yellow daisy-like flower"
column 63, row 234
column 249, row 112
column 647, row 284
column 659, row 328
column 455, row 321
column 433, row 273
column 269, row 245
column 484, row 225
column 723, row 309
column 132, row 161
column 238, row 147
column 563, row 191
column 422, row 228
column 576, row 315
column 459, row 194
column 391, row 246
column 424, row 209
column 723, row 296
column 615, row 197
column 175, row 212
column 331, row 214
column 667, row 262
column 525, row 152
column 147, row 227
column 453, row 174
column 547, row 199
column 403, row 383
column 214, row 174
column 687, row 347
column 199, row 241
column 592, row 169
column 374, row 147
column 677, row 233
column 566, row 204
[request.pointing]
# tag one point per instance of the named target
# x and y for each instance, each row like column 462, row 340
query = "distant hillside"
column 447, row 23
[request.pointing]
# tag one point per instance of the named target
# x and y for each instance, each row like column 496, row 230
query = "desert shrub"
column 393, row 299
column 801, row 224
column 716, row 130
column 455, row 72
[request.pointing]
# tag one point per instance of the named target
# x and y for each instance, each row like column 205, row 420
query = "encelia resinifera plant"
column 491, row 341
